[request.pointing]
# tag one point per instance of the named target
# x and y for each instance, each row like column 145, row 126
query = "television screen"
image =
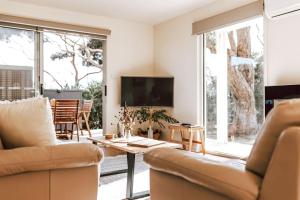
column 147, row 91
column 279, row 92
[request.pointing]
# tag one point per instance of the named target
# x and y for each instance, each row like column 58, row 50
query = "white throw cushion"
column 26, row 123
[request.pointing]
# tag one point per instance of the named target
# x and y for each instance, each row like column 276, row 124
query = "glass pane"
column 16, row 64
column 73, row 69
column 234, row 82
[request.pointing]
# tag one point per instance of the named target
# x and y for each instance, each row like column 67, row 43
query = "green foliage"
column 61, row 55
column 211, row 41
column 97, row 56
column 94, row 92
column 143, row 114
column 211, row 98
column 146, row 114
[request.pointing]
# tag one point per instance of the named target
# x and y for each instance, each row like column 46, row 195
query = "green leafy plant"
column 94, row 92
column 146, row 114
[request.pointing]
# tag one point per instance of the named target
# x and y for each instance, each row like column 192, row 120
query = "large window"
column 16, row 64
column 234, row 86
column 56, row 64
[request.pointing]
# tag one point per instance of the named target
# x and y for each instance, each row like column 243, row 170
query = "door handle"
column 42, row 89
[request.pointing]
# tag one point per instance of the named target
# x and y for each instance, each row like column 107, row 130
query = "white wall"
column 175, row 54
column 129, row 48
column 283, row 50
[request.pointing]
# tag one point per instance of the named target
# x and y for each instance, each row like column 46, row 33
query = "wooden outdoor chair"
column 85, row 114
column 66, row 112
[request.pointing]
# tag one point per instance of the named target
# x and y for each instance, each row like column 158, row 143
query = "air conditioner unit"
column 275, row 9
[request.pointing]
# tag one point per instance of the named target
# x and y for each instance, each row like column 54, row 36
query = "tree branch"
column 64, row 39
column 94, row 50
column 90, row 73
column 54, row 79
column 71, row 48
column 91, row 61
column 75, row 68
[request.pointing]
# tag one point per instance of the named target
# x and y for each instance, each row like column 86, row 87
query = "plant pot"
column 127, row 133
column 155, row 135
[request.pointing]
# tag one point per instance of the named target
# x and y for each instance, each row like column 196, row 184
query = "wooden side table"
column 190, row 130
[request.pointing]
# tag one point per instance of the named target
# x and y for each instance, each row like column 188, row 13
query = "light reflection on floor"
column 230, row 148
column 117, row 189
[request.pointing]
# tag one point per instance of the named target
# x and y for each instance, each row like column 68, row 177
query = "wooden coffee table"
column 131, row 152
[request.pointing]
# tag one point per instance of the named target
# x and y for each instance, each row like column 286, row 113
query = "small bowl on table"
column 109, row 136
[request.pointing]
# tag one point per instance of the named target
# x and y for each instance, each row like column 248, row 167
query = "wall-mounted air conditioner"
column 275, row 9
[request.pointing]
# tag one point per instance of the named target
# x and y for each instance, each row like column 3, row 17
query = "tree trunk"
column 241, row 82
column 76, row 77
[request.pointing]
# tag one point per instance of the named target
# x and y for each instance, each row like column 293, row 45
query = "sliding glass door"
column 55, row 64
column 73, row 68
column 17, row 64
column 234, row 86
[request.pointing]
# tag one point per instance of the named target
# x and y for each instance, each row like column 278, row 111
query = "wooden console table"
column 190, row 130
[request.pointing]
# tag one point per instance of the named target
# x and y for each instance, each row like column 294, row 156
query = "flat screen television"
column 279, row 92
column 147, row 91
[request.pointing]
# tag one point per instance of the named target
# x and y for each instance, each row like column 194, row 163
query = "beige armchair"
column 272, row 171
column 59, row 172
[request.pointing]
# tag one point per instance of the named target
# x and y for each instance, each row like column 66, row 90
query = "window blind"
column 40, row 25
column 239, row 14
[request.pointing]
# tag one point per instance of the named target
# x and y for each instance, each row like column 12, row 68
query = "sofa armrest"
column 227, row 179
column 29, row 159
column 282, row 177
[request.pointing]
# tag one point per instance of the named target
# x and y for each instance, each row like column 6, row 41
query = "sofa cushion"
column 228, row 178
column 285, row 114
column 63, row 156
column 26, row 123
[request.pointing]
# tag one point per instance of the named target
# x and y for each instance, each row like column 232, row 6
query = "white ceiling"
column 146, row 11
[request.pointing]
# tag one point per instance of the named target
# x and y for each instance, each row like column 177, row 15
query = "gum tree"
column 88, row 51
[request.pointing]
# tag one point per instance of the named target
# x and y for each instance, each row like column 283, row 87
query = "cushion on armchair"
column 284, row 115
column 229, row 179
column 26, row 123
column 64, row 156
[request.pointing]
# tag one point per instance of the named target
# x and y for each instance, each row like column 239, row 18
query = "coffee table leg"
column 130, row 175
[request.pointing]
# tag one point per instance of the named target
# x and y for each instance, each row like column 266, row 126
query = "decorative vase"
column 121, row 130
column 127, row 133
column 150, row 132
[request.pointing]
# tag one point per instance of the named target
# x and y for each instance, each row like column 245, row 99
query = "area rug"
column 118, row 162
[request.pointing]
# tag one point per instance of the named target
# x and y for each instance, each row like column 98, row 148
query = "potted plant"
column 144, row 133
column 126, row 118
column 146, row 114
